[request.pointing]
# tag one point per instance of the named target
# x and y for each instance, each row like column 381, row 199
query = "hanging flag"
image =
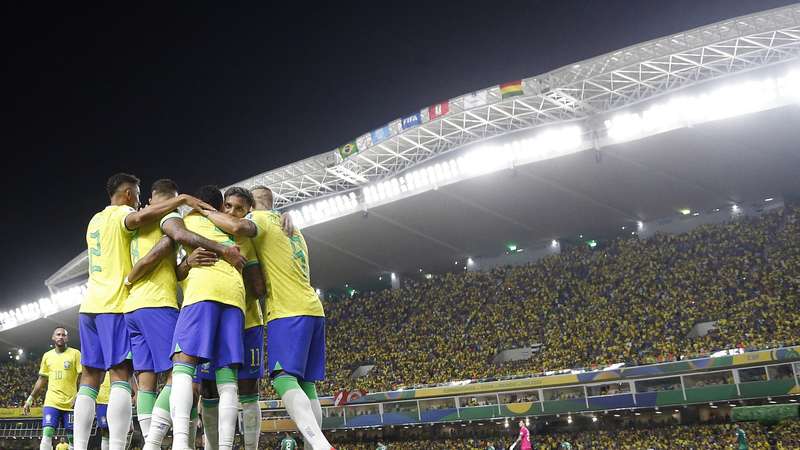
column 511, row 89
column 438, row 110
column 411, row 121
column 348, row 150
column 381, row 134
column 364, row 141
column 475, row 99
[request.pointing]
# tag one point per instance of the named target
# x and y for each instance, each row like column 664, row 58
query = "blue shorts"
column 296, row 345
column 253, row 367
column 100, row 415
column 104, row 340
column 210, row 331
column 55, row 418
column 151, row 331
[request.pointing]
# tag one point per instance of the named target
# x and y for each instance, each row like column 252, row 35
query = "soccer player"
column 213, row 300
column 237, row 202
column 102, row 409
column 741, row 438
column 295, row 317
column 104, row 334
column 58, row 370
column 288, row 443
column 151, row 309
column 524, row 438
column 62, row 445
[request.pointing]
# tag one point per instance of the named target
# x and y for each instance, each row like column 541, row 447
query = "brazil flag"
column 348, row 150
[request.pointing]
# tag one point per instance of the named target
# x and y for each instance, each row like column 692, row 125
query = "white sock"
column 316, row 408
column 180, row 405
column 159, row 425
column 82, row 420
column 192, row 434
column 144, row 423
column 251, row 415
column 104, row 443
column 211, row 423
column 119, row 415
column 228, row 414
column 46, row 443
column 299, row 408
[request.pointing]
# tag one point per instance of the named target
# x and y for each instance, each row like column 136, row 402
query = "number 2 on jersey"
column 94, row 251
column 299, row 254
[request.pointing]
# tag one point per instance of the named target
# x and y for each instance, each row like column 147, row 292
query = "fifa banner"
column 766, row 414
column 344, row 397
column 347, row 150
column 411, row 121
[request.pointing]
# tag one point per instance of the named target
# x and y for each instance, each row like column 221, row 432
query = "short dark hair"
column 164, row 186
column 117, row 180
column 211, row 195
column 241, row 192
column 60, row 328
column 264, row 188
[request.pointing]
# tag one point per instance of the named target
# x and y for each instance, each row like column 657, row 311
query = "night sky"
column 205, row 95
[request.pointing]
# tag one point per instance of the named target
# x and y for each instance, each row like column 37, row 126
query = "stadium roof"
column 593, row 186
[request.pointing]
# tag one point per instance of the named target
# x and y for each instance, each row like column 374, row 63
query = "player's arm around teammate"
column 103, row 331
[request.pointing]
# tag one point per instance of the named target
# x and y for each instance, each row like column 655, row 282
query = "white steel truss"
column 577, row 92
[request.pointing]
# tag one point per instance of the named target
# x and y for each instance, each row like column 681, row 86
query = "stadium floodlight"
column 20, row 351
column 728, row 101
column 478, row 161
column 569, row 419
column 394, row 276
column 685, row 211
column 769, row 199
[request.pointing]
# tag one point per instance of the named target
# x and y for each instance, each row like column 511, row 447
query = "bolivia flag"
column 511, row 89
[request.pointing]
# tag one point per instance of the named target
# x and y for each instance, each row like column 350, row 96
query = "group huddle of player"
column 237, row 257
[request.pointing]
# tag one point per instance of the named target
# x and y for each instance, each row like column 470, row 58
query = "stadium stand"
column 649, row 293
column 744, row 275
column 16, row 379
column 676, row 437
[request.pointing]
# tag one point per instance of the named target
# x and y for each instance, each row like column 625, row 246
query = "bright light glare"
column 727, row 101
column 42, row 308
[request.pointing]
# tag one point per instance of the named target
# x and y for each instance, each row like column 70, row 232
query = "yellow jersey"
column 284, row 262
column 105, row 390
column 62, row 446
column 253, row 317
column 108, row 241
column 221, row 282
column 61, row 370
column 159, row 288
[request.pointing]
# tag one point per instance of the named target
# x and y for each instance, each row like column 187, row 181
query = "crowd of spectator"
column 16, row 381
column 629, row 300
column 681, row 437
